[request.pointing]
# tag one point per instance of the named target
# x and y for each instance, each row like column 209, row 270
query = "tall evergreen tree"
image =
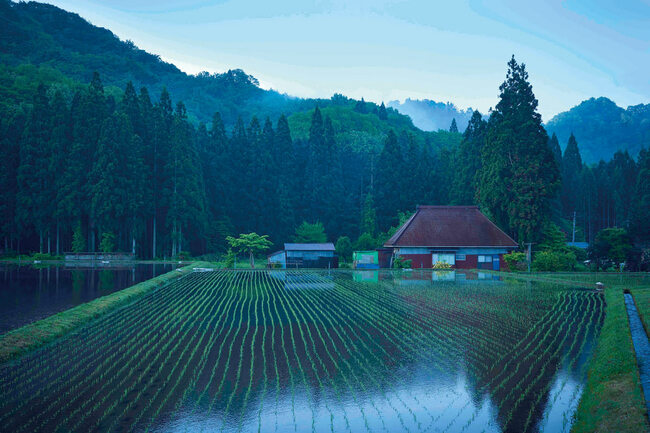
column 382, row 113
column 11, row 129
column 60, row 144
column 389, row 182
column 161, row 145
column 571, row 167
column 641, row 208
column 554, row 144
column 623, row 176
column 519, row 175
column 468, row 161
column 35, row 187
column 453, row 127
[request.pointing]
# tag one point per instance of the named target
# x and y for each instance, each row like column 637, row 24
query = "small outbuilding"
column 312, row 255
column 460, row 236
column 365, row 260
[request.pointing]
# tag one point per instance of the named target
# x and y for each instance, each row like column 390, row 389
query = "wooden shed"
column 305, row 255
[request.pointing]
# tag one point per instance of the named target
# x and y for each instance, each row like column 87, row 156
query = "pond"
column 308, row 351
column 30, row 293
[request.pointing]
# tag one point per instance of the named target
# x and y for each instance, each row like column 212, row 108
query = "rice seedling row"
column 314, row 351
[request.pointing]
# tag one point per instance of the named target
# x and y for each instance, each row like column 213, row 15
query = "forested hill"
column 602, row 127
column 49, row 37
column 43, row 44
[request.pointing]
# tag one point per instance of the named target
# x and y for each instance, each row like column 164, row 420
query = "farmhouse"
column 321, row 255
column 458, row 235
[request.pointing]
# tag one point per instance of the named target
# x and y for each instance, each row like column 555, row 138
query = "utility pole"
column 573, row 237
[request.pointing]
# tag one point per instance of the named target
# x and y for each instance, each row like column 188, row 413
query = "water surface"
column 29, row 293
column 307, row 351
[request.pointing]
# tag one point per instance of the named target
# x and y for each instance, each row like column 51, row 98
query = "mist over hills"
column 430, row 115
column 600, row 126
column 41, row 43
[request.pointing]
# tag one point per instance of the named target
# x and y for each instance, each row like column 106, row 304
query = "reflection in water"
column 318, row 352
column 28, row 294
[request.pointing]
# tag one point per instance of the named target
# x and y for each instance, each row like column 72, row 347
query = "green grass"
column 29, row 337
column 612, row 400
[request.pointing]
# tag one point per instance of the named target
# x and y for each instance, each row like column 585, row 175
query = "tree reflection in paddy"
column 318, row 351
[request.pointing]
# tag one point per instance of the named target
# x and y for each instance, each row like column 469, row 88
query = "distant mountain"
column 50, row 38
column 601, row 128
column 41, row 43
column 431, row 115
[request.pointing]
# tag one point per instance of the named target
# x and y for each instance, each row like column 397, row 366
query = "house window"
column 485, row 259
column 461, row 257
column 443, row 258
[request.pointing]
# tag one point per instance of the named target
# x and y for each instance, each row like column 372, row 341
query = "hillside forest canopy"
column 86, row 166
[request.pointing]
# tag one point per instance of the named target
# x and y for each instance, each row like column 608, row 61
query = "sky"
column 382, row 50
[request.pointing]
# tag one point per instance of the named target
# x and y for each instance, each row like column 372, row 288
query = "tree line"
column 138, row 175
column 90, row 171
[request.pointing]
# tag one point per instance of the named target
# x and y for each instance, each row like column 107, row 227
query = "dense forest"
column 137, row 172
column 123, row 163
column 603, row 128
column 133, row 173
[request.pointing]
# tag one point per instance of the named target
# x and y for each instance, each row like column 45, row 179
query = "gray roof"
column 310, row 247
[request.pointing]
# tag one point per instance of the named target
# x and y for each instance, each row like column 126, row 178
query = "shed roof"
column 328, row 246
column 449, row 226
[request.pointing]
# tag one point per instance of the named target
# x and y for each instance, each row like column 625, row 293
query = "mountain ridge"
column 602, row 128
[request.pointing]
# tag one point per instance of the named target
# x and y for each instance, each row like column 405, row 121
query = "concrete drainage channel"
column 641, row 346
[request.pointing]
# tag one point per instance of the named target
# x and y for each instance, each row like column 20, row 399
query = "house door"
column 495, row 263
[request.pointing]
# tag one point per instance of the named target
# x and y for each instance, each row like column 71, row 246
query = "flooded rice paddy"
column 30, row 293
column 309, row 351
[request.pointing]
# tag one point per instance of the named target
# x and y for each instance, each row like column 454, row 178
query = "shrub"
column 401, row 263
column 107, row 245
column 43, row 256
column 554, row 261
column 365, row 242
column 516, row 261
column 344, row 248
column 580, row 253
column 441, row 265
column 78, row 240
column 184, row 255
column 229, row 259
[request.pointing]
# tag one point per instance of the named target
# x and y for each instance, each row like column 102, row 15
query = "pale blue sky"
column 386, row 49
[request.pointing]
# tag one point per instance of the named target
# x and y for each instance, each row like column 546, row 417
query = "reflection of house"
column 305, row 256
column 458, row 235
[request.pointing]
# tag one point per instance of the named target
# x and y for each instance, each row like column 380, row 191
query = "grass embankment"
column 612, row 400
column 29, row 337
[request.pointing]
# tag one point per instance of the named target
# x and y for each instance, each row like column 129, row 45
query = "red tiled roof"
column 449, row 226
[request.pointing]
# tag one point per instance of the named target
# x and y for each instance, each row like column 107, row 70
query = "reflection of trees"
column 78, row 280
column 337, row 339
column 106, row 280
column 513, row 339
